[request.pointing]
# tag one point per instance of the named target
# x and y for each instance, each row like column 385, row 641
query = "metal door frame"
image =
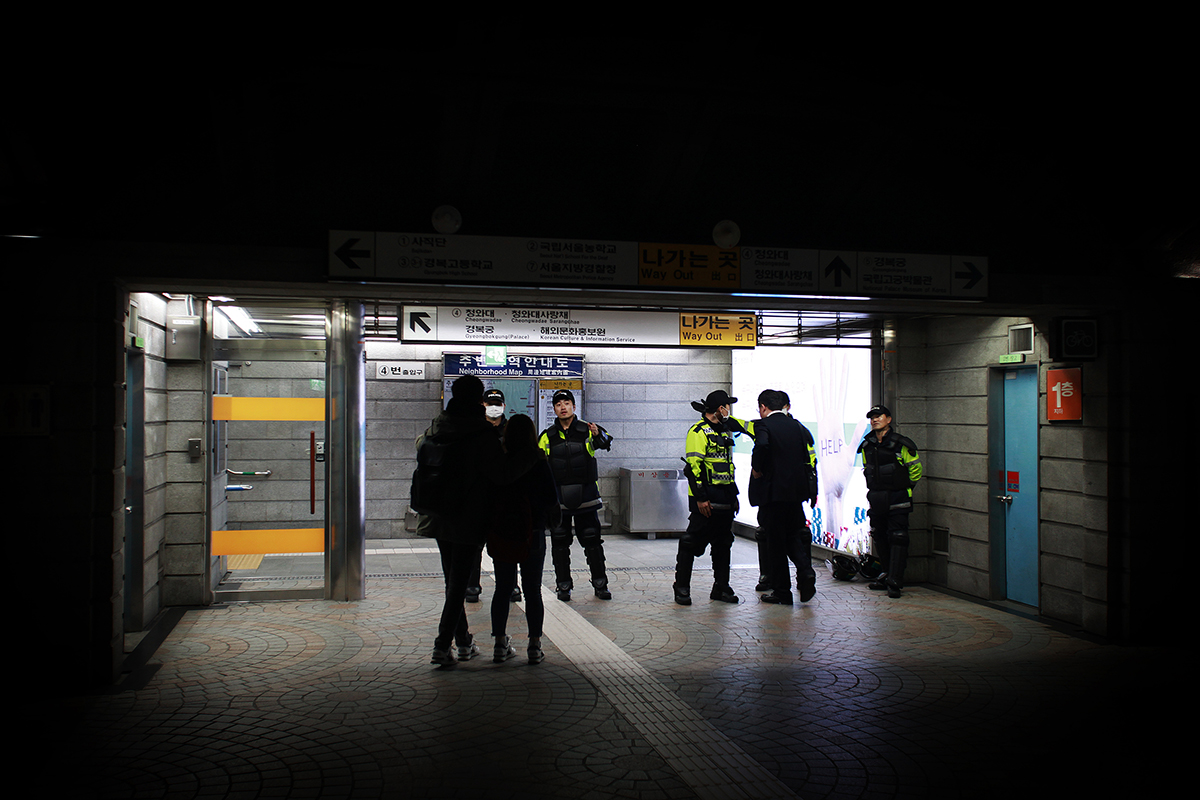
column 345, row 432
column 997, row 507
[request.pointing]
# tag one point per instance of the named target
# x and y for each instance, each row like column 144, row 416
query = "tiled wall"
column 641, row 396
column 942, row 404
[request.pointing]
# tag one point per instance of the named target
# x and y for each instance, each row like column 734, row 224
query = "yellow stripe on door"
column 268, row 409
column 284, row 540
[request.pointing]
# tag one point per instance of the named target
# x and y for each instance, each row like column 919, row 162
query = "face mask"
column 493, row 412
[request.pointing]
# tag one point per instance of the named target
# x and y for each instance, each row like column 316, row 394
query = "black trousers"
column 586, row 524
column 787, row 539
column 716, row 531
column 888, row 514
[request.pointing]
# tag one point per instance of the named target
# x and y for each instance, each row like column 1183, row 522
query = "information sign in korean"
column 1064, row 398
column 500, row 259
column 779, row 269
column 549, row 262
column 556, row 367
column 400, row 370
column 718, row 330
column 689, row 266
column 555, row 326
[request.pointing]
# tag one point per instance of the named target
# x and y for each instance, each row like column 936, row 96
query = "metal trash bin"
column 652, row 501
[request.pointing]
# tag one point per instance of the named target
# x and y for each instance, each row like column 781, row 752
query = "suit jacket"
column 782, row 448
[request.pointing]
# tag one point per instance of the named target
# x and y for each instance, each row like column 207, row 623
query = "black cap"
column 717, row 399
column 563, row 394
column 493, row 397
column 877, row 410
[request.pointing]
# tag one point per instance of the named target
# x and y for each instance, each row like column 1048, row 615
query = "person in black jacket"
column 571, row 445
column 782, row 476
column 892, row 468
column 477, row 456
column 525, row 509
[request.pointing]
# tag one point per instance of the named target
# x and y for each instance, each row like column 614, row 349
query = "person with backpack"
column 524, row 510
column 783, row 470
column 459, row 467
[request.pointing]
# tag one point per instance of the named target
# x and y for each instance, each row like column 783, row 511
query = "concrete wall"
column 151, row 310
column 641, row 396
column 942, row 404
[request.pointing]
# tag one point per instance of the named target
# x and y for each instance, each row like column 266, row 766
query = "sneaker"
column 723, row 593
column 443, row 658
column 535, row 651
column 468, row 651
column 564, row 593
column 503, row 650
column 601, row 587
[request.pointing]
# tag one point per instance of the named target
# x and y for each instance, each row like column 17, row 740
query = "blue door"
column 1020, row 482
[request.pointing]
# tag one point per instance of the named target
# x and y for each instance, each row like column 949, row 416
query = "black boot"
column 683, row 578
column 595, row 560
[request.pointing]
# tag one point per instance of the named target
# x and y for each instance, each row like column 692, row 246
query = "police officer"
column 571, row 445
column 892, row 467
column 712, row 495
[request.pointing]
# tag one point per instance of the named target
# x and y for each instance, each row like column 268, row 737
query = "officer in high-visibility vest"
column 892, row 467
column 712, row 495
column 571, row 445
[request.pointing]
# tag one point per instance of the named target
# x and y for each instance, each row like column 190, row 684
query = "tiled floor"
column 850, row 696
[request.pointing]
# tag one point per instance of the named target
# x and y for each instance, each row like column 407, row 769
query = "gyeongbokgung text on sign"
column 565, row 326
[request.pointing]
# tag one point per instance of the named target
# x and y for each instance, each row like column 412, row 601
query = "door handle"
column 1005, row 498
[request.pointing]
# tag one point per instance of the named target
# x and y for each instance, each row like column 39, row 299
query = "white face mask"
column 493, row 412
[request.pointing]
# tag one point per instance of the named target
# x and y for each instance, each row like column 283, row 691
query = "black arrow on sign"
column 418, row 318
column 972, row 274
column 346, row 252
column 837, row 268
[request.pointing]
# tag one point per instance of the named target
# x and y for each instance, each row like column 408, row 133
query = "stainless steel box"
column 652, row 501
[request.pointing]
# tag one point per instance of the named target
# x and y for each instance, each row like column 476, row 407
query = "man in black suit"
column 783, row 475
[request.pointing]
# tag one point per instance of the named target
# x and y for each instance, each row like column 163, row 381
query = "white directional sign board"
column 498, row 259
column 530, row 326
column 542, row 262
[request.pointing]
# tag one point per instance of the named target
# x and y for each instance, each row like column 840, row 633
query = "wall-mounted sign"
column 516, row 366
column 400, row 370
column 719, row 330
column 1064, row 395
column 688, row 266
column 559, row 326
column 568, row 263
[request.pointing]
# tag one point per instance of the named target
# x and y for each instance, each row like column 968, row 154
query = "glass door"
column 268, row 400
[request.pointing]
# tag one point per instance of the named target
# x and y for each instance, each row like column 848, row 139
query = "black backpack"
column 437, row 480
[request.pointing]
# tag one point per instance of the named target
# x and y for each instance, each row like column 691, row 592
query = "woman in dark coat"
column 519, row 537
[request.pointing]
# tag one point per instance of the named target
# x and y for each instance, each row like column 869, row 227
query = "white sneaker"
column 535, row 651
column 503, row 650
column 443, row 658
column 467, row 652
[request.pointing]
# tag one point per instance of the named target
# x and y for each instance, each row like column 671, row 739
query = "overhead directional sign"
column 567, row 263
column 352, row 254
column 542, row 326
column 418, row 323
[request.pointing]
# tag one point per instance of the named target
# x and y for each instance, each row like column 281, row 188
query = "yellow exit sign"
column 718, row 329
